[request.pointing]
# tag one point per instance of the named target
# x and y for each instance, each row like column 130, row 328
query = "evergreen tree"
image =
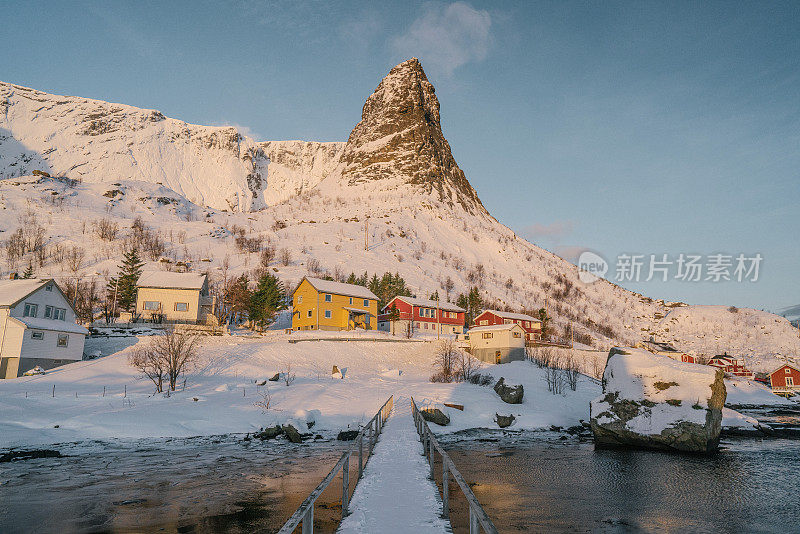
column 545, row 319
column 28, row 272
column 472, row 302
column 129, row 272
column 268, row 298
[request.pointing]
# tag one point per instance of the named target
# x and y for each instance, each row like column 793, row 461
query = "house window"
column 30, row 310
column 788, row 371
column 37, row 336
column 60, row 314
column 327, row 314
column 366, row 303
column 300, row 299
column 327, row 297
column 48, row 312
column 789, row 381
column 516, row 334
column 48, row 287
column 487, row 335
column 507, row 321
column 351, row 301
column 484, row 322
column 527, row 324
column 63, row 340
column 152, row 305
column 309, row 313
column 417, row 325
column 181, row 306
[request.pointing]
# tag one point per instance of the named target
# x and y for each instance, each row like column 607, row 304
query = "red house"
column 730, row 365
column 421, row 315
column 785, row 380
column 531, row 325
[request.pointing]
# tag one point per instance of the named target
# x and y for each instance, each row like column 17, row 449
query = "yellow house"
column 327, row 305
column 174, row 298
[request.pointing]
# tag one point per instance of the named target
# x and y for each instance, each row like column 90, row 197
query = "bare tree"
column 106, row 229
column 448, row 286
column 267, row 256
column 166, row 357
column 265, row 399
column 288, row 373
column 466, row 366
column 285, row 257
column 74, row 258
column 445, row 361
column 571, row 371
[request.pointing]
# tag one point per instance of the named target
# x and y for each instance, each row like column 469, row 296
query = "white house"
column 501, row 343
column 37, row 327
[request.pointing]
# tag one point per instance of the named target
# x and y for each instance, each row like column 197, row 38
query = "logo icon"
column 591, row 267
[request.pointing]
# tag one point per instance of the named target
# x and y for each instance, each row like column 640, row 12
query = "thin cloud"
column 447, row 36
column 555, row 231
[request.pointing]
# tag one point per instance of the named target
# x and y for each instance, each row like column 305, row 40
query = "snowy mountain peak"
column 400, row 138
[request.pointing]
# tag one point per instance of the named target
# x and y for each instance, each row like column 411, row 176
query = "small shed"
column 500, row 343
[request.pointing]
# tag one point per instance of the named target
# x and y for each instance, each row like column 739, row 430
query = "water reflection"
column 545, row 487
column 193, row 485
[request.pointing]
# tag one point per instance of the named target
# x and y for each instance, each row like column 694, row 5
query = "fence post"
column 474, row 526
column 369, row 442
column 445, row 490
column 308, row 521
column 345, row 486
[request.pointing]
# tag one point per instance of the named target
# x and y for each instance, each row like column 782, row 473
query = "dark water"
column 181, row 485
column 529, row 482
column 557, row 486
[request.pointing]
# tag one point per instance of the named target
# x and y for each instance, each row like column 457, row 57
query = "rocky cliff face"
column 400, row 139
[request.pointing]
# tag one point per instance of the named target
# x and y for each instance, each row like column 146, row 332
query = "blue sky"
column 641, row 127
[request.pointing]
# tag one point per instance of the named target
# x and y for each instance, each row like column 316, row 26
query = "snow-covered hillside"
column 710, row 330
column 390, row 199
column 96, row 141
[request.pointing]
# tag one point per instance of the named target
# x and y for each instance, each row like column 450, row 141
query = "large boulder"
column 435, row 415
column 509, row 394
column 653, row 401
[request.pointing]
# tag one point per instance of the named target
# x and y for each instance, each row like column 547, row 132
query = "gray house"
column 37, row 327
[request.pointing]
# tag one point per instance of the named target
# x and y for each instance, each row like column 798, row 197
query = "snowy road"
column 395, row 494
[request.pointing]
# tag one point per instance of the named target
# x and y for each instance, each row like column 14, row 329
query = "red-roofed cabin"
column 531, row 325
column 421, row 315
column 730, row 365
column 785, row 380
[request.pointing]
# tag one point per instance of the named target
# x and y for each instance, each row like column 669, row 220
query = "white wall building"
column 37, row 327
column 501, row 343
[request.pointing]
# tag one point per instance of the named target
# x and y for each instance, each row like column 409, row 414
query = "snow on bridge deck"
column 395, row 493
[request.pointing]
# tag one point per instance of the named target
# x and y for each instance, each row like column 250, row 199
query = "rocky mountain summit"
column 400, row 138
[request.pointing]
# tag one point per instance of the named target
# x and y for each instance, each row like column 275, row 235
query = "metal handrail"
column 305, row 512
column 477, row 515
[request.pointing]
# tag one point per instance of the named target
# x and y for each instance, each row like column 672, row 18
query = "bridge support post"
column 474, row 526
column 430, row 458
column 308, row 522
column 345, row 486
column 445, row 490
column 360, row 455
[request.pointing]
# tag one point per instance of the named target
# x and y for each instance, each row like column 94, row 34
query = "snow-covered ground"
column 221, row 392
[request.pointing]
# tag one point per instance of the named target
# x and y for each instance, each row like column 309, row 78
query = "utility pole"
column 438, row 324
